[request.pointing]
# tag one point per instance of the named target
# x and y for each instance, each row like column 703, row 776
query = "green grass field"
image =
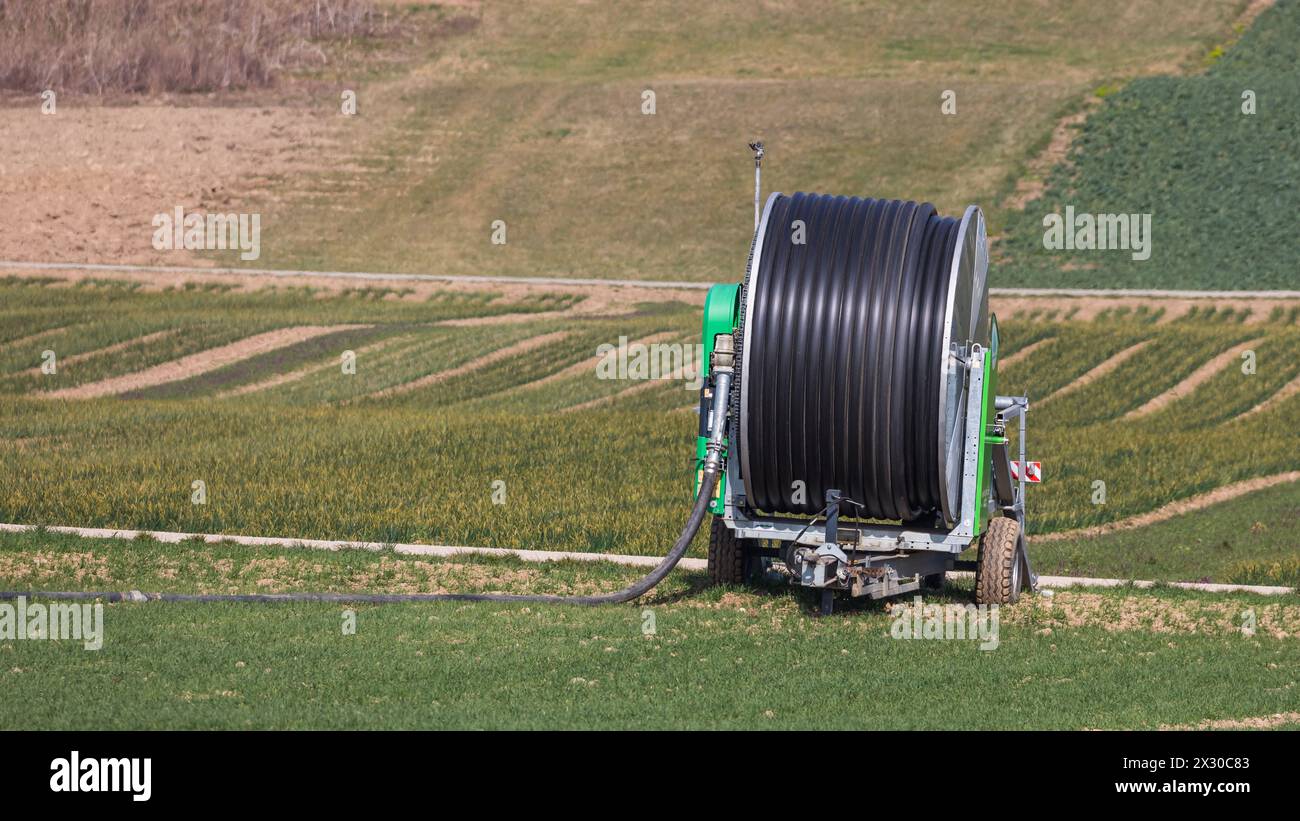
column 1181, row 149
column 412, row 446
column 534, row 117
column 1248, row 541
column 715, row 658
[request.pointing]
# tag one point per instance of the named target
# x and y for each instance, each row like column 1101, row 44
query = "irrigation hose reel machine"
column 852, row 389
column 852, row 373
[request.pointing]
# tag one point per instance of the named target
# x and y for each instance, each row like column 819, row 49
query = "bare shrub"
column 153, row 46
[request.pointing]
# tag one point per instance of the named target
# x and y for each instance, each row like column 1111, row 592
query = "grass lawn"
column 1251, row 540
column 1209, row 156
column 535, row 117
column 716, row 658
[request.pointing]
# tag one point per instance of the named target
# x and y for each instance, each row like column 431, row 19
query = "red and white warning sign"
column 1033, row 471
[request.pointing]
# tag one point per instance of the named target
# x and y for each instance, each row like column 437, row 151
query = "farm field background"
column 533, row 116
column 549, row 136
column 474, row 414
column 481, row 419
column 1181, row 148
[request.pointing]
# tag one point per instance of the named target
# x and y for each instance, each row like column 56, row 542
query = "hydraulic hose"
column 712, row 469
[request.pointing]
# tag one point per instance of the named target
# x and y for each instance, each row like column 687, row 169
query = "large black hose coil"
column 844, row 355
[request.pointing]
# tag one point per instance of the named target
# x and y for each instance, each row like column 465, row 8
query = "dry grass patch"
column 1151, row 614
column 169, row 45
column 38, row 566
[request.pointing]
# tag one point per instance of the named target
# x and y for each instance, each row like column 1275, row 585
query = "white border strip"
column 326, row 544
column 558, row 555
column 618, row 283
column 1060, row 582
column 1144, row 292
column 289, row 274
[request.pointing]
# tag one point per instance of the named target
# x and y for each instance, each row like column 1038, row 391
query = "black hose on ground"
column 639, row 588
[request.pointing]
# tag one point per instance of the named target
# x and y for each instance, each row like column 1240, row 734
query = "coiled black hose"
column 633, row 591
column 843, row 356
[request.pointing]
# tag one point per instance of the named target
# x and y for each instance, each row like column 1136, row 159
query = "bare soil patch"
column 595, row 302
column 1098, row 372
column 607, row 301
column 589, row 366
column 83, row 184
column 36, row 337
column 302, row 373
column 198, row 363
column 1193, row 380
column 1250, row 723
column 639, row 387
column 1031, row 186
column 1023, row 353
column 1086, row 308
column 111, row 349
column 1150, row 614
column 1285, row 392
column 37, row 566
column 482, row 362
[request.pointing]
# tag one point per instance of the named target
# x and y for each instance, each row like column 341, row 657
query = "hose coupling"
column 723, row 358
column 722, row 369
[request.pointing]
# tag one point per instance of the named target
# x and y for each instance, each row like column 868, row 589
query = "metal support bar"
column 1020, row 497
column 970, row 452
column 832, row 534
column 757, row 148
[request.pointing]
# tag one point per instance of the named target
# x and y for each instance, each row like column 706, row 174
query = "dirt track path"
column 111, row 349
column 616, row 297
column 588, row 366
column 1193, row 380
column 492, row 358
column 1098, row 372
column 1285, row 392
column 639, row 387
column 304, row 372
column 197, row 363
column 1023, row 353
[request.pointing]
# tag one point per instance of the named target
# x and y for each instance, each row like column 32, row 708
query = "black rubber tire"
column 728, row 556
column 997, row 577
column 934, row 581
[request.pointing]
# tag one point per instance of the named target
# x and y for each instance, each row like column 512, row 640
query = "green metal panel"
column 721, row 312
column 721, row 315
